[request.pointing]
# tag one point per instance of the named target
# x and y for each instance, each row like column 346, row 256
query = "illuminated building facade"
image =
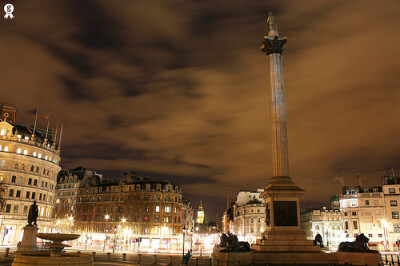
column 29, row 163
column 68, row 183
column 249, row 215
column 363, row 210
column 134, row 208
column 325, row 222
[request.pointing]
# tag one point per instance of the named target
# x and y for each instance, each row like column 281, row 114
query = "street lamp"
column 191, row 239
column 385, row 226
column 115, row 236
column 123, row 220
column 105, row 231
column 183, row 244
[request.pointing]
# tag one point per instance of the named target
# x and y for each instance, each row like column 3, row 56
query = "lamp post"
column 105, row 231
column 123, row 220
column 183, row 242
column 191, row 239
column 115, row 236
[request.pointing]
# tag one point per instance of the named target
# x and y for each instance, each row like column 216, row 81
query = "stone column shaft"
column 279, row 140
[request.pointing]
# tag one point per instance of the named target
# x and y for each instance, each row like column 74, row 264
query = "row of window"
column 167, row 209
column 129, row 198
column 34, row 154
column 31, row 182
column 246, row 211
column 28, row 195
column 16, row 209
column 128, row 188
column 100, row 218
column 164, row 230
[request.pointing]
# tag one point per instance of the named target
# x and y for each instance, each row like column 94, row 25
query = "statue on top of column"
column 271, row 22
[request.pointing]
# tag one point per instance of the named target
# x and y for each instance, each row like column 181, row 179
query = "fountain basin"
column 55, row 237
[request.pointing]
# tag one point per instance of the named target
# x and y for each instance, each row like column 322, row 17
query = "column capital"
column 273, row 45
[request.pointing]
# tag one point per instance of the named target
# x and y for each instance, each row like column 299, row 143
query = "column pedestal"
column 283, row 232
column 28, row 242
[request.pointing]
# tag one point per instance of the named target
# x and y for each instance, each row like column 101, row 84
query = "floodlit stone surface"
column 44, row 258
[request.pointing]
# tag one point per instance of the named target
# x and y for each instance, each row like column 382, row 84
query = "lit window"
column 34, row 154
column 157, row 208
column 2, row 132
column 19, row 136
column 50, row 159
column 6, row 148
column 25, row 152
column 19, row 150
column 395, row 215
column 46, row 157
column 8, row 207
column 26, row 138
column 40, row 156
column 167, row 208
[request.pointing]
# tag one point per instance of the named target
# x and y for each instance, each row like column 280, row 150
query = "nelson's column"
column 283, row 231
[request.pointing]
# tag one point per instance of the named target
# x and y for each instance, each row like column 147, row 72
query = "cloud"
column 180, row 89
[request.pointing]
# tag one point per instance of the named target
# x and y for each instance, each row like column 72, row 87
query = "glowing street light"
column 106, row 217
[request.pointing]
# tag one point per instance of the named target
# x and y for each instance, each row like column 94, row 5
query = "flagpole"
column 61, row 131
column 34, row 126
column 47, row 129
column 55, row 137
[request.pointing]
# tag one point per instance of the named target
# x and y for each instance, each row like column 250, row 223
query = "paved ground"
column 101, row 258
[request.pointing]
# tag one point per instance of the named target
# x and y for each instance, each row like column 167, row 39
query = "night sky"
column 179, row 89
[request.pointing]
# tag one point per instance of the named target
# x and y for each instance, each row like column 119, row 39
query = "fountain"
column 57, row 246
column 28, row 253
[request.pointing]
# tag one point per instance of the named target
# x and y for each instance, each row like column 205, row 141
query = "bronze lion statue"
column 360, row 245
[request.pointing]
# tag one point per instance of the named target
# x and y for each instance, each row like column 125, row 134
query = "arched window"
column 19, row 150
column 32, row 168
column 37, row 169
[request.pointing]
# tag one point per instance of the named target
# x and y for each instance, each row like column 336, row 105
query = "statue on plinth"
column 360, row 245
column 232, row 243
column 33, row 214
